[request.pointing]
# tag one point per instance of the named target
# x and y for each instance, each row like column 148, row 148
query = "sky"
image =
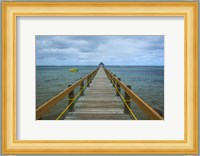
column 91, row 50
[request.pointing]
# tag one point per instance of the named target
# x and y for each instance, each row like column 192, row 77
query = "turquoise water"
column 146, row 81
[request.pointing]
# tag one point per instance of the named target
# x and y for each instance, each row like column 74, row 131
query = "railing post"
column 90, row 77
column 88, row 81
column 110, row 78
column 70, row 99
column 118, row 88
column 127, row 99
column 81, row 88
column 93, row 75
column 113, row 80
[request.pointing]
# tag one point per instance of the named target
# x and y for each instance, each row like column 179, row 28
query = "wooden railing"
column 129, row 94
column 41, row 110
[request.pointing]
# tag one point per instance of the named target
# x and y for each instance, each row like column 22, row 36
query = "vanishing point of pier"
column 99, row 98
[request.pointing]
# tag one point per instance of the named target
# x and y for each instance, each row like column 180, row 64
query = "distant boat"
column 73, row 70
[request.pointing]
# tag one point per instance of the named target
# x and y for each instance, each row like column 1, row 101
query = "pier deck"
column 99, row 102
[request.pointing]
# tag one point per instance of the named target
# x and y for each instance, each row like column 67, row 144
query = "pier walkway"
column 99, row 102
column 101, row 96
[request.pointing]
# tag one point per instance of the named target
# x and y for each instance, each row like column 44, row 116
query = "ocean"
column 146, row 81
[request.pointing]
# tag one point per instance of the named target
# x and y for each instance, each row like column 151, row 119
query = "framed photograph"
column 100, row 77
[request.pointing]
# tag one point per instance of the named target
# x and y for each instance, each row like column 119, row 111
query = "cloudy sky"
column 91, row 50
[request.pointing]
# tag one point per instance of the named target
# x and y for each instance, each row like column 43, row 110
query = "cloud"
column 90, row 50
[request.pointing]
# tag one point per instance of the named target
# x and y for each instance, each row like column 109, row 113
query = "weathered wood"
column 110, row 78
column 97, row 116
column 81, row 88
column 88, row 81
column 118, row 89
column 113, row 80
column 99, row 102
column 127, row 100
column 147, row 109
column 70, row 100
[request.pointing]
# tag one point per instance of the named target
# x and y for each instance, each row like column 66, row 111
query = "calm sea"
column 146, row 81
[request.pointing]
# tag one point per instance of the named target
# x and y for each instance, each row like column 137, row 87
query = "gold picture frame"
column 12, row 10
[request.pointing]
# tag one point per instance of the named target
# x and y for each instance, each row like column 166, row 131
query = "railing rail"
column 146, row 108
column 41, row 110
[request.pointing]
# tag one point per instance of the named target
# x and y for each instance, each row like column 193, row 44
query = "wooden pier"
column 99, row 98
column 99, row 102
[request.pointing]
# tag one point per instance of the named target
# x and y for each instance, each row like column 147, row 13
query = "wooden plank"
column 99, row 102
column 97, row 116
